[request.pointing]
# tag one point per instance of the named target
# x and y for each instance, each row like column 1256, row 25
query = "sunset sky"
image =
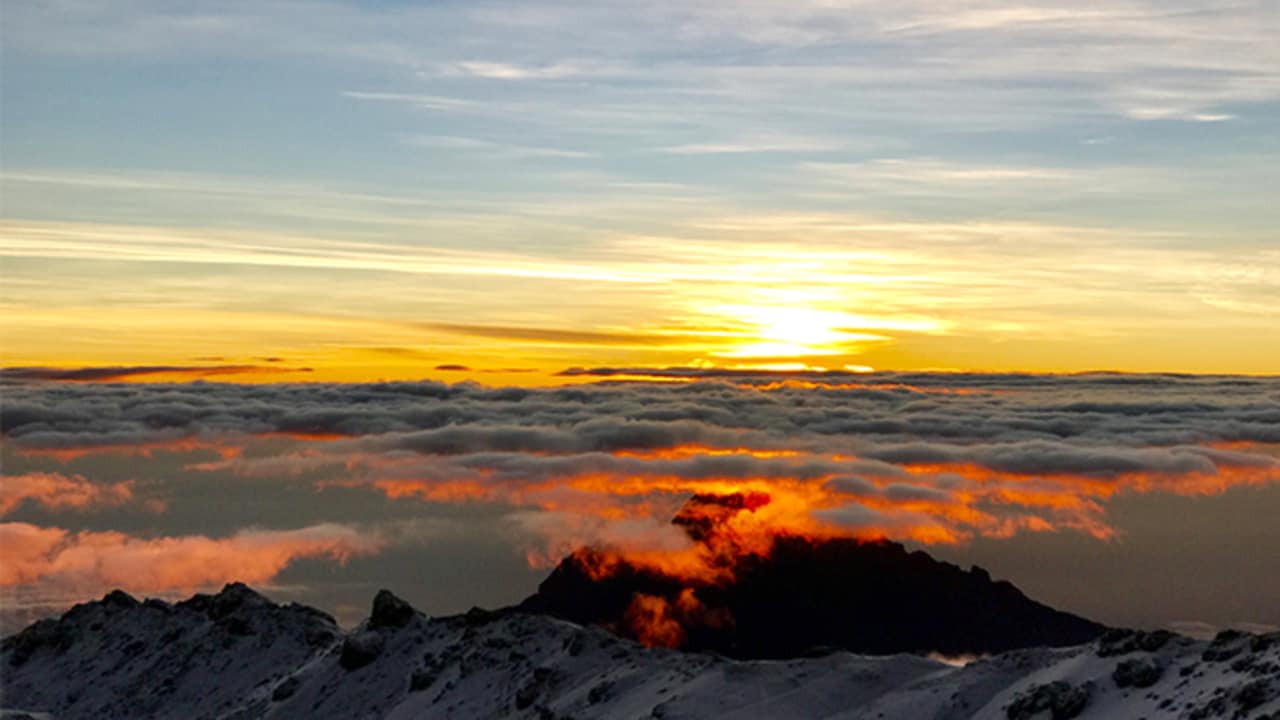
column 279, row 190
column 999, row 280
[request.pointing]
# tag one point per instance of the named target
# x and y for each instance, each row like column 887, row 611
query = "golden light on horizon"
column 786, row 324
column 899, row 303
column 791, row 332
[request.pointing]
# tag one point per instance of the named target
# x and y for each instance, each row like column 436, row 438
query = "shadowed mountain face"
column 799, row 594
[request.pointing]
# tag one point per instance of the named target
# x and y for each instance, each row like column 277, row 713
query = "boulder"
column 1061, row 699
column 360, row 649
column 390, row 611
column 1137, row 672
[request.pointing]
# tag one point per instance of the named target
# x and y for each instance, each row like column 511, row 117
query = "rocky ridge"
column 236, row 655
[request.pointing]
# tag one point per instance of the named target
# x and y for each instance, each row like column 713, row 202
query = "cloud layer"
column 937, row 458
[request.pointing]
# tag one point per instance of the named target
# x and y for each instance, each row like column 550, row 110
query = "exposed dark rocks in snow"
column 360, row 649
column 1226, row 645
column 1255, row 693
column 1061, row 699
column 285, row 689
column 1120, row 641
column 1137, row 672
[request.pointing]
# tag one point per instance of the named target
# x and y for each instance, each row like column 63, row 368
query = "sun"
column 787, row 332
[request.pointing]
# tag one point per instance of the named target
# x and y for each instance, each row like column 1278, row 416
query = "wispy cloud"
column 765, row 284
column 488, row 147
column 931, row 171
column 432, row 102
column 938, row 53
column 758, row 144
column 558, row 336
column 1174, row 113
column 131, row 372
column 268, row 249
column 512, row 71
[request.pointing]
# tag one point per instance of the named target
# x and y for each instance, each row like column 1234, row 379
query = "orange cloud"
column 228, row 446
column 690, row 450
column 800, row 384
column 224, row 447
column 940, row 503
column 651, row 619
column 98, row 560
column 56, row 491
column 137, row 373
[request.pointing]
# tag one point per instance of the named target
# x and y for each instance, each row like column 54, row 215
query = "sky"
column 327, row 297
column 378, row 190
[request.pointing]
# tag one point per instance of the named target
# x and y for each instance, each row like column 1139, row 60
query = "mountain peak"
column 788, row 593
column 390, row 611
column 227, row 601
column 119, row 598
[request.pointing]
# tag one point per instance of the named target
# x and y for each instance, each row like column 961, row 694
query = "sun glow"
column 788, row 331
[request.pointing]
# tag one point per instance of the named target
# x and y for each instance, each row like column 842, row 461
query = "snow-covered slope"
column 236, row 655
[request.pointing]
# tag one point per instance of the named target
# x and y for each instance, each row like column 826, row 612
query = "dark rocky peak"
column 390, row 611
column 119, row 599
column 235, row 615
column 803, row 592
column 232, row 598
column 389, row 614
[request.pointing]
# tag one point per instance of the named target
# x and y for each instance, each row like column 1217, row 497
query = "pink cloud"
column 93, row 561
column 57, row 491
